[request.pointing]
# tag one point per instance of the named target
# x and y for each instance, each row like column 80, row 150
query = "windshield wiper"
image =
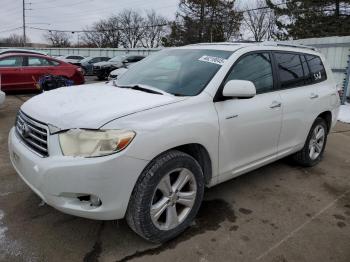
column 143, row 88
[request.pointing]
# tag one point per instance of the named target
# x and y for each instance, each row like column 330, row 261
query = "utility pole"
column 24, row 23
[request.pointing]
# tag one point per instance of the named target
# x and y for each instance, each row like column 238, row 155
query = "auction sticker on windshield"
column 213, row 59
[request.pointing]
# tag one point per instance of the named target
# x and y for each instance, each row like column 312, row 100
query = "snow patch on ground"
column 3, row 229
column 7, row 247
column 344, row 113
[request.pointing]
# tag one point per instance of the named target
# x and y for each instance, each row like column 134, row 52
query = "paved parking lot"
column 277, row 213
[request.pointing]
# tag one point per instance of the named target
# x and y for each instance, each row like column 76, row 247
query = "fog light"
column 95, row 201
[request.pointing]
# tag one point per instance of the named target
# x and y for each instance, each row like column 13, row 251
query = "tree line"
column 214, row 21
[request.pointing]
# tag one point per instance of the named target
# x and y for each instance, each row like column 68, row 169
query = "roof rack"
column 269, row 43
column 217, row 43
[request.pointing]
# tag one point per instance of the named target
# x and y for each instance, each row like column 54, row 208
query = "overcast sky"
column 73, row 14
column 70, row 14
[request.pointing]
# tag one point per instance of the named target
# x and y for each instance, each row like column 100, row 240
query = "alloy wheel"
column 316, row 142
column 173, row 199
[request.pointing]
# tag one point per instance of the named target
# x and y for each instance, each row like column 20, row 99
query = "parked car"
column 26, row 51
column 71, row 59
column 2, row 97
column 22, row 71
column 146, row 146
column 87, row 63
column 117, row 73
column 102, row 69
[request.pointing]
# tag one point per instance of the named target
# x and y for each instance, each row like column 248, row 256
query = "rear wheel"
column 313, row 149
column 167, row 197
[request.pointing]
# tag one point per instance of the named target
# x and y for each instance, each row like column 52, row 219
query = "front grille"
column 32, row 133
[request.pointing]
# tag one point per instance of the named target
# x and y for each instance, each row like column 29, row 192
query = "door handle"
column 275, row 104
column 313, row 96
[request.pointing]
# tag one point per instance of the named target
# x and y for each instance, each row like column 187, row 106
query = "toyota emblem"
column 25, row 130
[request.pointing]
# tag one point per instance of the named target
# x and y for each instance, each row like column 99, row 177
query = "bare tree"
column 128, row 29
column 260, row 22
column 155, row 29
column 105, row 33
column 58, row 39
column 133, row 27
column 13, row 40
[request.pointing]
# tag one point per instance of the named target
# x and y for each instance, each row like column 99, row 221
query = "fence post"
column 346, row 82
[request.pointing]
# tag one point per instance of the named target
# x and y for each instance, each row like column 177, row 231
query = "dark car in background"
column 22, row 71
column 102, row 69
column 87, row 63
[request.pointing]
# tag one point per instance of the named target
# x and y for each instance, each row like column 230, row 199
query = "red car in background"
column 22, row 71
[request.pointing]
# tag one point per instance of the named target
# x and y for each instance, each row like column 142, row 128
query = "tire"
column 100, row 78
column 304, row 156
column 149, row 193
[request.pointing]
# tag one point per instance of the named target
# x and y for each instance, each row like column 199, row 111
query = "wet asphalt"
column 277, row 213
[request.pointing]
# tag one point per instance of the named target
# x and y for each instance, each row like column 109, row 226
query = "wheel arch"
column 326, row 116
column 200, row 153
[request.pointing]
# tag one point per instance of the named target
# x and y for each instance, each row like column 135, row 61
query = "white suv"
column 145, row 146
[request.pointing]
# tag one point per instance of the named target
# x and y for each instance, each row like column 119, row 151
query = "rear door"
column 36, row 67
column 10, row 73
column 299, row 96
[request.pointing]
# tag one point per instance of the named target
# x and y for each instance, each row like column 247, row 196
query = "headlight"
column 94, row 143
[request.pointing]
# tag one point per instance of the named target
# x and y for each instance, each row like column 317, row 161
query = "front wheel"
column 166, row 197
column 312, row 152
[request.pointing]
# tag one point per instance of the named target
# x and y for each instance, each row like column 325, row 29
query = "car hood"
column 107, row 63
column 91, row 106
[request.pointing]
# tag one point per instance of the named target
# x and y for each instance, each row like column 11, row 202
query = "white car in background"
column 117, row 73
column 147, row 145
column 72, row 59
column 2, row 97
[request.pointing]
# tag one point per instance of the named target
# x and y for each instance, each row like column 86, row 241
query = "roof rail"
column 216, row 43
column 270, row 43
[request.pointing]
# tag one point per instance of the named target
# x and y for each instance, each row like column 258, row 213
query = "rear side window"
column 317, row 70
column 75, row 57
column 13, row 61
column 290, row 70
column 255, row 68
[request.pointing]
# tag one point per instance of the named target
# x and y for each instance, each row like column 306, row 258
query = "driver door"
column 249, row 128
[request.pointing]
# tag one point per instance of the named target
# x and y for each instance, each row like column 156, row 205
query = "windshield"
column 86, row 60
column 177, row 71
column 118, row 58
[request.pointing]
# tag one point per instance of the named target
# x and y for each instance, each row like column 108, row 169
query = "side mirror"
column 125, row 61
column 239, row 89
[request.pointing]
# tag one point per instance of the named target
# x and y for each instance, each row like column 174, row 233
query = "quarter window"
column 317, row 71
column 256, row 68
column 290, row 70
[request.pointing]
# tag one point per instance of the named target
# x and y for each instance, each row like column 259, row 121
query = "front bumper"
column 101, row 71
column 58, row 180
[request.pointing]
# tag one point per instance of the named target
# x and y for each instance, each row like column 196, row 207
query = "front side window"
column 317, row 70
column 184, row 72
column 256, row 68
column 13, row 61
column 290, row 70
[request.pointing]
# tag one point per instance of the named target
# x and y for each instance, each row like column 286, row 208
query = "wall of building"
column 109, row 52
